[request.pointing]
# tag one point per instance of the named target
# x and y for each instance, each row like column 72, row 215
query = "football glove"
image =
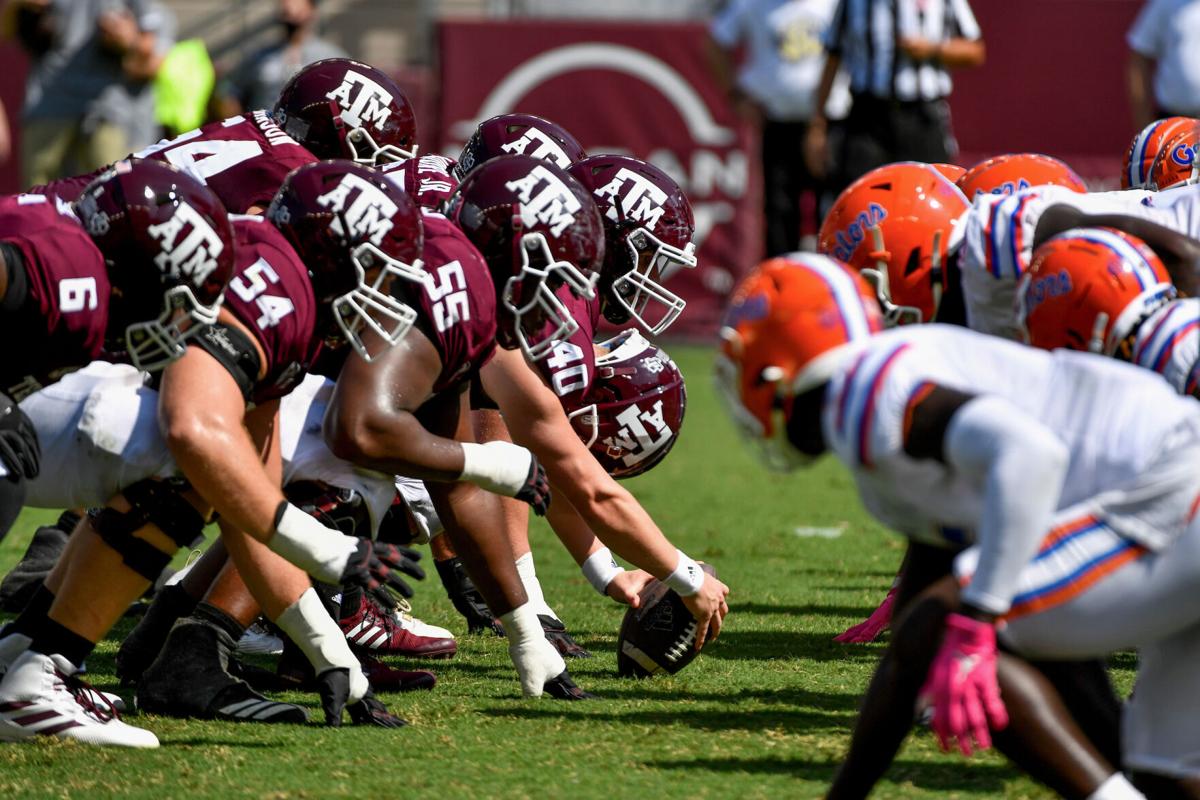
column 961, row 685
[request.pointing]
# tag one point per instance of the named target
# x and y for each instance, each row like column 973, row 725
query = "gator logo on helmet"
column 189, row 245
column 362, row 100
column 847, row 240
column 546, row 199
column 1056, row 284
column 631, row 196
column 642, row 434
column 364, row 208
column 1183, row 154
column 539, row 145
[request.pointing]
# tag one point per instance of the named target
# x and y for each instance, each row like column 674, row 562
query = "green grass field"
column 764, row 712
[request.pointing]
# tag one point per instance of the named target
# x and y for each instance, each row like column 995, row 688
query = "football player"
column 363, row 234
column 1078, row 506
column 1146, row 146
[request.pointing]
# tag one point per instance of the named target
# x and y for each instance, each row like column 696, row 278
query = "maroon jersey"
column 271, row 295
column 61, row 326
column 242, row 159
column 428, row 180
column 570, row 369
column 457, row 309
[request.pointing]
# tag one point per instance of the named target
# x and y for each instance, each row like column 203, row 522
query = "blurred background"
column 83, row 79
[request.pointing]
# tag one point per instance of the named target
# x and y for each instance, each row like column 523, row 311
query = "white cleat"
column 13, row 645
column 417, row 627
column 40, row 696
column 259, row 641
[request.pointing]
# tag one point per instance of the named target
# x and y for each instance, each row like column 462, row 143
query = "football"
column 660, row 636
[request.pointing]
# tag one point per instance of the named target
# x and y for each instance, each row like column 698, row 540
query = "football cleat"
column 13, row 645
column 145, row 641
column 258, row 640
column 41, row 696
column 373, row 629
column 466, row 598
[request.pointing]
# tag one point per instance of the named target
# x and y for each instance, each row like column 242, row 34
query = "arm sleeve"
column 961, row 21
column 1020, row 466
column 726, row 27
column 1145, row 36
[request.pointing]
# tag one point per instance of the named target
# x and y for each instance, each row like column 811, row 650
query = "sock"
column 206, row 612
column 533, row 589
column 1116, row 788
column 35, row 613
column 351, row 600
column 53, row 638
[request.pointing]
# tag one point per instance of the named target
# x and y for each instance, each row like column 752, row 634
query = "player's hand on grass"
column 709, row 607
column 626, row 587
column 962, row 688
column 371, row 711
column 869, row 629
column 338, row 688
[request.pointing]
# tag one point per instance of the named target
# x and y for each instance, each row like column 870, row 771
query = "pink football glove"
column 869, row 629
column 961, row 685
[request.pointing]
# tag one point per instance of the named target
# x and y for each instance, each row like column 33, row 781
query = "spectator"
column 778, row 82
column 256, row 82
column 898, row 53
column 88, row 97
column 1165, row 45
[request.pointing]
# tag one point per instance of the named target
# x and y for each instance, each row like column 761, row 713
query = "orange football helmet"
column 1176, row 164
column 1088, row 288
column 788, row 323
column 1146, row 146
column 951, row 172
column 893, row 225
column 1008, row 174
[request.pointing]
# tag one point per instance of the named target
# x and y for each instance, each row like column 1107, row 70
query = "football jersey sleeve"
column 1168, row 343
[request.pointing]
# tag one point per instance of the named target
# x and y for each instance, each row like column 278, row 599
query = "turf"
column 764, row 712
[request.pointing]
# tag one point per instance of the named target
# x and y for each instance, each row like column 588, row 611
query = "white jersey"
column 1177, row 209
column 996, row 236
column 1168, row 342
column 1116, row 420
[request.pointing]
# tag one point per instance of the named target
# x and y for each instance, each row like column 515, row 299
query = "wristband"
column 600, row 568
column 308, row 624
column 499, row 467
column 321, row 552
column 687, row 578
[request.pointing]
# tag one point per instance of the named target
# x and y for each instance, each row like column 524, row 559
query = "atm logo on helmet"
column 543, row 147
column 362, row 100
column 545, row 199
column 364, row 207
column 192, row 254
column 641, row 435
column 847, row 240
column 637, row 198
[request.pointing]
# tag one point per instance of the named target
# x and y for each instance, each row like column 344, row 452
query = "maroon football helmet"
column 634, row 408
column 344, row 220
column 538, row 229
column 339, row 108
column 169, row 249
column 648, row 224
column 519, row 134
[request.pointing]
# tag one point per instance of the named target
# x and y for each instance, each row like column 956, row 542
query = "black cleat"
column 145, row 641
column 41, row 555
column 563, row 688
column 466, row 598
column 556, row 634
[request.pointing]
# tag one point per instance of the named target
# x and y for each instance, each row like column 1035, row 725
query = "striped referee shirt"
column 865, row 34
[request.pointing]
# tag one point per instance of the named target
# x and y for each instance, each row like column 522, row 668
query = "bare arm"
column 1140, row 74
column 958, row 53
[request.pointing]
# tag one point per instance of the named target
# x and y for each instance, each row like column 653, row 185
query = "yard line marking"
column 810, row 532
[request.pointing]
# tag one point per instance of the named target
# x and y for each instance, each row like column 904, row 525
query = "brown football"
column 658, row 637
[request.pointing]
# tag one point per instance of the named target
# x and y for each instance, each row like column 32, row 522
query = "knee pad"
column 156, row 502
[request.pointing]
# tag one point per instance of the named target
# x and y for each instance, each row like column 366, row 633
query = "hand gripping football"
column 660, row 636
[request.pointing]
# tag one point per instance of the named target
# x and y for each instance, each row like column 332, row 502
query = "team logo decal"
column 1056, row 284
column 631, row 196
column 537, row 144
column 362, row 100
column 192, row 254
column 642, row 434
column 362, row 206
column 546, row 199
column 846, row 241
column 1183, row 155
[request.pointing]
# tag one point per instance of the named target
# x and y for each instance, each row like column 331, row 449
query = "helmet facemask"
column 530, row 295
column 153, row 344
column 365, row 151
column 654, row 260
column 371, row 305
column 775, row 451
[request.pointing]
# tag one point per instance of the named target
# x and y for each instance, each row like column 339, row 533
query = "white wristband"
column 600, row 568
column 687, row 578
column 308, row 624
column 321, row 552
column 499, row 467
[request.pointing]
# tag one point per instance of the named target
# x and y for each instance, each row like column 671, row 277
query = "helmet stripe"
column 1139, row 154
column 1141, row 267
column 845, row 294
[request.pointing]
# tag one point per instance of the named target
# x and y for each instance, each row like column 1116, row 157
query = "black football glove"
column 563, row 688
column 556, row 634
column 333, row 686
column 19, row 449
column 375, row 567
column 536, row 490
column 371, row 711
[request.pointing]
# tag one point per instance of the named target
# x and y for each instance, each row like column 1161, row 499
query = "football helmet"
column 1088, row 289
column 519, row 134
column 1146, row 146
column 894, row 225
column 340, row 108
column 792, row 321
column 1009, row 174
column 345, row 220
column 537, row 229
column 648, row 228
column 1176, row 163
column 169, row 249
column 634, row 408
column 951, row 172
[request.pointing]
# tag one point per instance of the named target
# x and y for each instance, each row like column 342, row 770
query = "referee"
column 897, row 53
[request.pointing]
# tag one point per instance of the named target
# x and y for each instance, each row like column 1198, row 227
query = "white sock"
column 533, row 589
column 1116, row 788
